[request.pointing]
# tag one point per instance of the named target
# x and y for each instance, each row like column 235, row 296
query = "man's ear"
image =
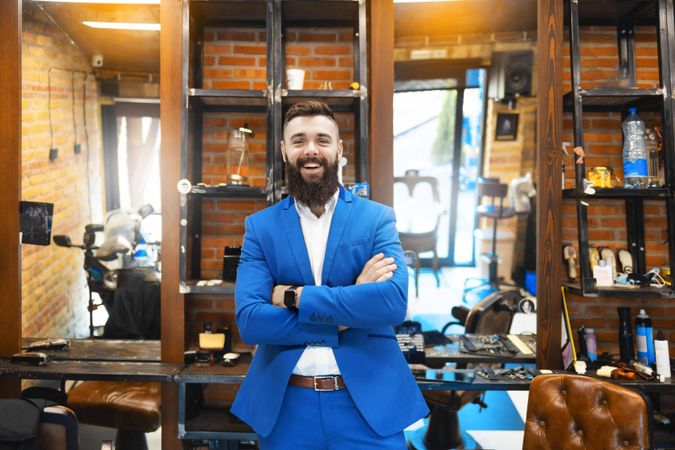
column 340, row 148
column 283, row 151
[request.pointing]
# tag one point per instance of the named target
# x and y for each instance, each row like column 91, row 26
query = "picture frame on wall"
column 506, row 128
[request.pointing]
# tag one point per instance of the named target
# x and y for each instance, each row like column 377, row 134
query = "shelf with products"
column 620, row 193
column 203, row 287
column 620, row 291
column 233, row 192
column 616, row 99
column 587, row 106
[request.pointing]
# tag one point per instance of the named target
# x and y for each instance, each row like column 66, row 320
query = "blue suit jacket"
column 374, row 370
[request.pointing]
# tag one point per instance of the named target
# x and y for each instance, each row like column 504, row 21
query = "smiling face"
column 312, row 145
column 311, row 149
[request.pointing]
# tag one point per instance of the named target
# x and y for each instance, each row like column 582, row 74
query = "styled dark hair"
column 308, row 108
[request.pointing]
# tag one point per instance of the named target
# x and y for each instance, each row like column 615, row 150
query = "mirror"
column 91, row 147
column 465, row 119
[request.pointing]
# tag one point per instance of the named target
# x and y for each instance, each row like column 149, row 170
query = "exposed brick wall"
column 54, row 290
column 607, row 219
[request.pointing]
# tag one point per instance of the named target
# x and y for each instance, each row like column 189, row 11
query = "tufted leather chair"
column 578, row 412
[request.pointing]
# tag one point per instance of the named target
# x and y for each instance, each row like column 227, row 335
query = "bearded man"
column 318, row 291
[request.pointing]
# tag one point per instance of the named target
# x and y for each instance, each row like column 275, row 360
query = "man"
column 318, row 292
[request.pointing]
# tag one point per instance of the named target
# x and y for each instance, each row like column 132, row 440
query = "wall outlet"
column 77, row 149
column 53, row 153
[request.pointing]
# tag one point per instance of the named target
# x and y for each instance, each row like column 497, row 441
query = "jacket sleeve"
column 363, row 305
column 258, row 320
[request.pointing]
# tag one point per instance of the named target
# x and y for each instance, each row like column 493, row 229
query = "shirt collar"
column 304, row 210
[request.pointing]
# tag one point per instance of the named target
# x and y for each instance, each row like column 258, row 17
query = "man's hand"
column 378, row 268
column 278, row 295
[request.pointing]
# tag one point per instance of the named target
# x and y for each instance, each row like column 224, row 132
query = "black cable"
column 72, row 93
column 49, row 107
column 86, row 138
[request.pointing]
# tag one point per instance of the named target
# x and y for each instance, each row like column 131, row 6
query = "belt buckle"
column 331, row 377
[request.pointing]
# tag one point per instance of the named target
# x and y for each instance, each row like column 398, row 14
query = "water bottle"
column 644, row 338
column 635, row 173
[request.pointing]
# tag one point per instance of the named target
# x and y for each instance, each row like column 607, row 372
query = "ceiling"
column 122, row 50
column 138, row 51
column 464, row 17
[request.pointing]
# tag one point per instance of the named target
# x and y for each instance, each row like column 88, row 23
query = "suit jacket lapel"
column 340, row 217
column 296, row 241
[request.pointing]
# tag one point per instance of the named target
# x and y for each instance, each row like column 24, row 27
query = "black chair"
column 494, row 193
column 425, row 241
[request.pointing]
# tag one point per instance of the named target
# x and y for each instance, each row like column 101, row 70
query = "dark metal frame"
column 613, row 99
column 196, row 14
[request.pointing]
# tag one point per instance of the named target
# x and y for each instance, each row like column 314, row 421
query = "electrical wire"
column 72, row 103
column 49, row 106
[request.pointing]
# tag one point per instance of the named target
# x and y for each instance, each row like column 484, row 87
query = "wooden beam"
column 549, row 181
column 173, row 303
column 10, row 173
column 381, row 92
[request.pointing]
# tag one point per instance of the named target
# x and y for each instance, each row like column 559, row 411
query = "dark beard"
column 316, row 192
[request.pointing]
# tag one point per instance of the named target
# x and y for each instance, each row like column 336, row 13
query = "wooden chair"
column 424, row 241
column 580, row 412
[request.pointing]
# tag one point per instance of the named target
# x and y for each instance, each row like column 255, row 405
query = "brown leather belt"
column 320, row 384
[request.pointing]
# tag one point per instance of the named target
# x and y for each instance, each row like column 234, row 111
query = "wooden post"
column 173, row 303
column 549, row 181
column 381, row 92
column 10, row 173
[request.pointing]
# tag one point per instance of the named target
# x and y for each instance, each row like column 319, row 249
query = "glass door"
column 439, row 133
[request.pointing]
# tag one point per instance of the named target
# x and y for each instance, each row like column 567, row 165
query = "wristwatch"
column 291, row 297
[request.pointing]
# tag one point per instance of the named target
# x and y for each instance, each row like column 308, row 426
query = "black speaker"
column 510, row 74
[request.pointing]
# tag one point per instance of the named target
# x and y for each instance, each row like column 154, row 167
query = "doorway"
column 439, row 132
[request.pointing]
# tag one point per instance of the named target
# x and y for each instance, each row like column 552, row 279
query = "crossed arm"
column 378, row 296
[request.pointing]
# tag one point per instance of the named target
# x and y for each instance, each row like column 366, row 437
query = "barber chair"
column 419, row 236
column 134, row 408
column 580, row 412
column 493, row 315
column 493, row 209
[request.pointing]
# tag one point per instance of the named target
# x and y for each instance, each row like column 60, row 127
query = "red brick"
column 317, row 62
column 236, row 61
column 250, row 50
column 231, row 85
column 333, row 50
column 231, row 35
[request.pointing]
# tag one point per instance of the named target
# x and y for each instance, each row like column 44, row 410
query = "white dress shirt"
column 316, row 360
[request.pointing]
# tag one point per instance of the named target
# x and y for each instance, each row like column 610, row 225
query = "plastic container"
column 635, row 171
column 662, row 357
column 625, row 334
column 644, row 338
column 591, row 344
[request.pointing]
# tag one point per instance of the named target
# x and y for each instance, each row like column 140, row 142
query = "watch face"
column 289, row 298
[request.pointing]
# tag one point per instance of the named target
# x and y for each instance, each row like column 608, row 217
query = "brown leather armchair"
column 579, row 412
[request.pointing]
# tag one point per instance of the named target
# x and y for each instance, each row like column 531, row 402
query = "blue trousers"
column 311, row 420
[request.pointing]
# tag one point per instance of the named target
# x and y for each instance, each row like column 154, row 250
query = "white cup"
column 295, row 78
